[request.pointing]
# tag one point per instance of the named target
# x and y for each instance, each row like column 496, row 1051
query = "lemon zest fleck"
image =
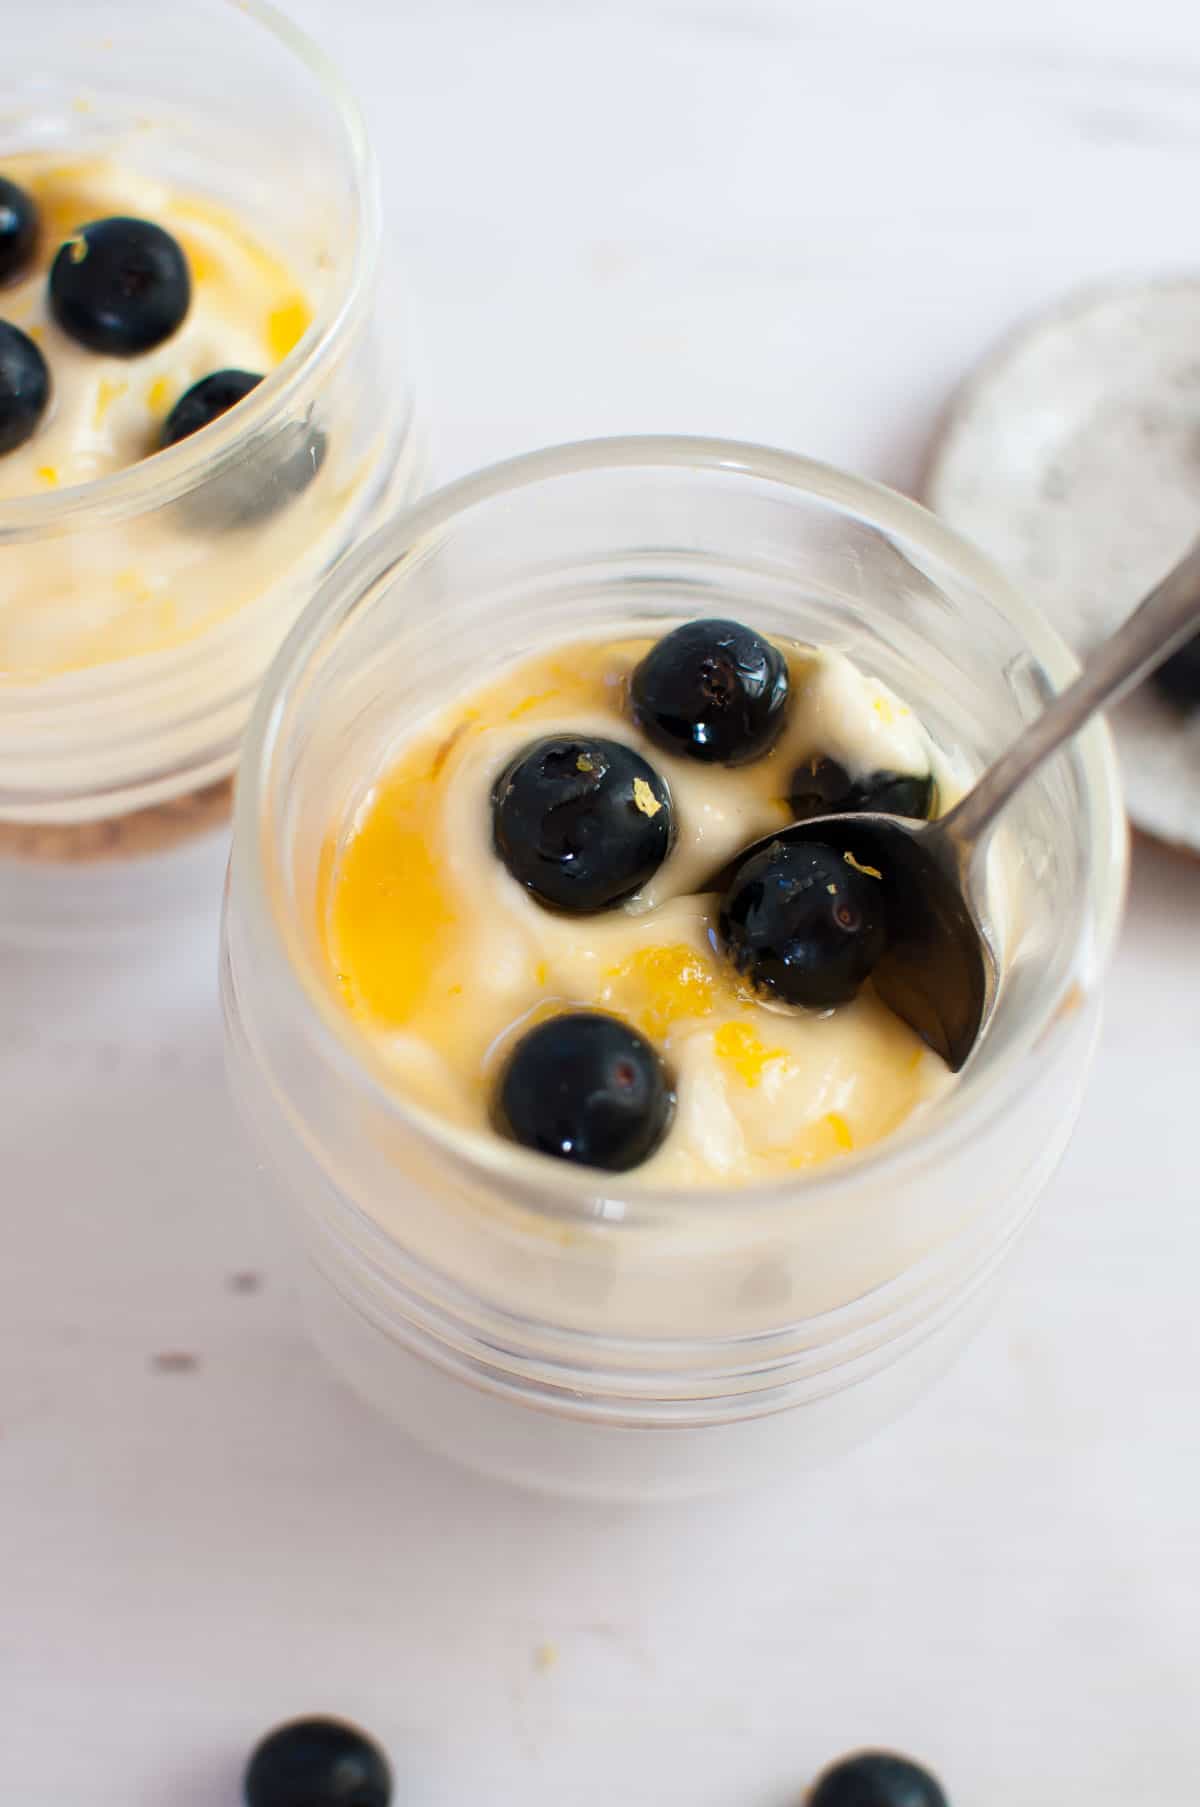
column 49, row 475
column 867, row 871
column 644, row 798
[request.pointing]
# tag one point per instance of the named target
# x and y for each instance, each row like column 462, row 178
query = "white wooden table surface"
column 791, row 222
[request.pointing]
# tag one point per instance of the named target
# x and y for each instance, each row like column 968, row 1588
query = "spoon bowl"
column 938, row 971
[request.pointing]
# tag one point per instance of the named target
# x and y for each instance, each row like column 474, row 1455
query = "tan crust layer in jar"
column 143, row 831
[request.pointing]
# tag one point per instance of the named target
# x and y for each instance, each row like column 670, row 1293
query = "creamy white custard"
column 158, row 580
column 443, row 959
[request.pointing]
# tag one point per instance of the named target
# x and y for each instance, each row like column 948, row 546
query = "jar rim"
column 557, row 1189
column 164, row 477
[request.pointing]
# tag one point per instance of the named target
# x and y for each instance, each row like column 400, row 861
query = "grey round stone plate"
column 1072, row 455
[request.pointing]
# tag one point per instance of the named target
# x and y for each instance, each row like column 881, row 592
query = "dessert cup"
column 111, row 759
column 583, row 1332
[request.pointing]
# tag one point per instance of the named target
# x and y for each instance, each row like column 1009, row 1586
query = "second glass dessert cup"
column 111, row 750
column 585, row 1332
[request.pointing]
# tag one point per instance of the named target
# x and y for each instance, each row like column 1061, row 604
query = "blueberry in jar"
column 206, row 401
column 713, row 690
column 254, row 486
column 120, row 286
column 587, row 1088
column 18, row 229
column 821, row 786
column 877, row 1779
column 582, row 822
column 24, row 387
column 801, row 922
column 318, row 1763
column 1178, row 678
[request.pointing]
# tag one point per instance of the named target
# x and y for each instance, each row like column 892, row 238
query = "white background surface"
column 797, row 223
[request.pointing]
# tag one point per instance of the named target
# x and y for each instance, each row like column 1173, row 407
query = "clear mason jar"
column 584, row 1332
column 106, row 764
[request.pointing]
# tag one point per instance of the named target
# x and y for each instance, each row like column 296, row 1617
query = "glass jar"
column 584, row 1332
column 111, row 752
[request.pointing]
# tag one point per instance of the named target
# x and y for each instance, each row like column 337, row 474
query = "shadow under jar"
column 140, row 608
column 584, row 1332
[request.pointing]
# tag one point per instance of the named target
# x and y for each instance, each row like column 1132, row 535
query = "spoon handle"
column 1157, row 628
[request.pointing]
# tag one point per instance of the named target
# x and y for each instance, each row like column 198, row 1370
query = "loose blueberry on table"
column 714, row 690
column 120, row 286
column 877, row 1779
column 587, row 1088
column 24, row 387
column 318, row 1763
column 18, row 229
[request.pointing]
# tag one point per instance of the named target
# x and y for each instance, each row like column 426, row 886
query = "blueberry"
column 581, row 822
column 256, row 485
column 822, row 787
column 586, row 1088
column 1179, row 678
column 318, row 1763
column 120, row 286
column 18, row 229
column 206, row 401
column 801, row 924
column 714, row 690
column 24, row 387
column 877, row 1779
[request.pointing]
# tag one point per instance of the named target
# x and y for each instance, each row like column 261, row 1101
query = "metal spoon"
column 939, row 974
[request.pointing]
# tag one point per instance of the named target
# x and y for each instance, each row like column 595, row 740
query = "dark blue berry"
column 822, row 787
column 318, row 1763
column 205, row 401
column 18, row 229
column 24, row 387
column 587, row 1088
column 255, row 485
column 713, row 690
column 803, row 925
column 120, row 286
column 1178, row 679
column 581, row 822
column 877, row 1779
